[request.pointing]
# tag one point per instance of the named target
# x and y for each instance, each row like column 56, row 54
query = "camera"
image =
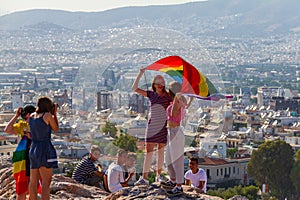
column 23, row 113
column 54, row 107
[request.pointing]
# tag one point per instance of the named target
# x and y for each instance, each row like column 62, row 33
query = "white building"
column 214, row 149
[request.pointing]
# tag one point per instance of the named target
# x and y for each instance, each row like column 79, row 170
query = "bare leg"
column 21, row 196
column 33, row 183
column 148, row 159
column 160, row 157
column 46, row 175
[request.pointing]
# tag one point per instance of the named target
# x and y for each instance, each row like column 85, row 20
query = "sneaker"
column 160, row 179
column 168, row 183
column 175, row 191
column 142, row 181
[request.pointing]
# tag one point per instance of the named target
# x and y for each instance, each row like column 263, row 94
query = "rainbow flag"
column 19, row 158
column 193, row 82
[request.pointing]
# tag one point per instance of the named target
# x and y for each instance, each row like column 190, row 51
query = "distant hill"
column 232, row 17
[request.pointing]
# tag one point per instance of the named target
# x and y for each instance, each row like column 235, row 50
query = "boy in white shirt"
column 115, row 173
column 196, row 177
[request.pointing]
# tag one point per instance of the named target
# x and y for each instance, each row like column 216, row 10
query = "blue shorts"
column 42, row 153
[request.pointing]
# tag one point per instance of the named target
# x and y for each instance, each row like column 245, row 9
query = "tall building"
column 138, row 103
column 264, row 94
column 104, row 100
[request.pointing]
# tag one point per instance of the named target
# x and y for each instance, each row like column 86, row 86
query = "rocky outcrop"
column 66, row 188
column 7, row 182
column 61, row 187
column 154, row 191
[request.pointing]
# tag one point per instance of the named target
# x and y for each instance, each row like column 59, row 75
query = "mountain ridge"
column 230, row 17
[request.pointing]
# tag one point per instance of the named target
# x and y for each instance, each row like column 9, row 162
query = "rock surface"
column 154, row 191
column 66, row 188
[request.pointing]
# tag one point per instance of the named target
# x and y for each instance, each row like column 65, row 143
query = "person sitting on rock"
column 129, row 168
column 86, row 172
column 115, row 173
column 196, row 177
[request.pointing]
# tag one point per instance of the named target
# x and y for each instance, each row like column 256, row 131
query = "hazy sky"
column 8, row 6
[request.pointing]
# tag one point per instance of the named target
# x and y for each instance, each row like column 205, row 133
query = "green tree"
column 250, row 192
column 127, row 142
column 231, row 152
column 110, row 129
column 218, row 192
column 271, row 164
column 111, row 149
column 297, row 155
column 295, row 175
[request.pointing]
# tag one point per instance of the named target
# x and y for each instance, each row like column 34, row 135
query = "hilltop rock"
column 154, row 191
column 63, row 187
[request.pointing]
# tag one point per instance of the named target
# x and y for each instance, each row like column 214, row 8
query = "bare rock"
column 7, row 181
column 238, row 197
column 63, row 187
column 155, row 192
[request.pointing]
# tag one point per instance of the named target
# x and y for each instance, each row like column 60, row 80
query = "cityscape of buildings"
column 89, row 74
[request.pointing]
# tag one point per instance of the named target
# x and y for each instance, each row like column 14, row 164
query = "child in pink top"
column 176, row 140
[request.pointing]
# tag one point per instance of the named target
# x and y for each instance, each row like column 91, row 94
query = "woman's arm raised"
column 136, row 83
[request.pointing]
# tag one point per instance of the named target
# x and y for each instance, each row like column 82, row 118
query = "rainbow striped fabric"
column 192, row 81
column 19, row 158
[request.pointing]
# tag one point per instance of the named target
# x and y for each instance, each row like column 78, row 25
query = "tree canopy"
column 295, row 175
column 251, row 192
column 127, row 142
column 272, row 164
column 110, row 129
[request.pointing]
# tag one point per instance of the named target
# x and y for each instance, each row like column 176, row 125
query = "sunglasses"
column 159, row 83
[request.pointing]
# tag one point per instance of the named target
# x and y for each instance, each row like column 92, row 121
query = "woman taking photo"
column 42, row 154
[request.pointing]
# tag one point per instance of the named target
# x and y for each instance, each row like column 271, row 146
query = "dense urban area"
column 89, row 73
